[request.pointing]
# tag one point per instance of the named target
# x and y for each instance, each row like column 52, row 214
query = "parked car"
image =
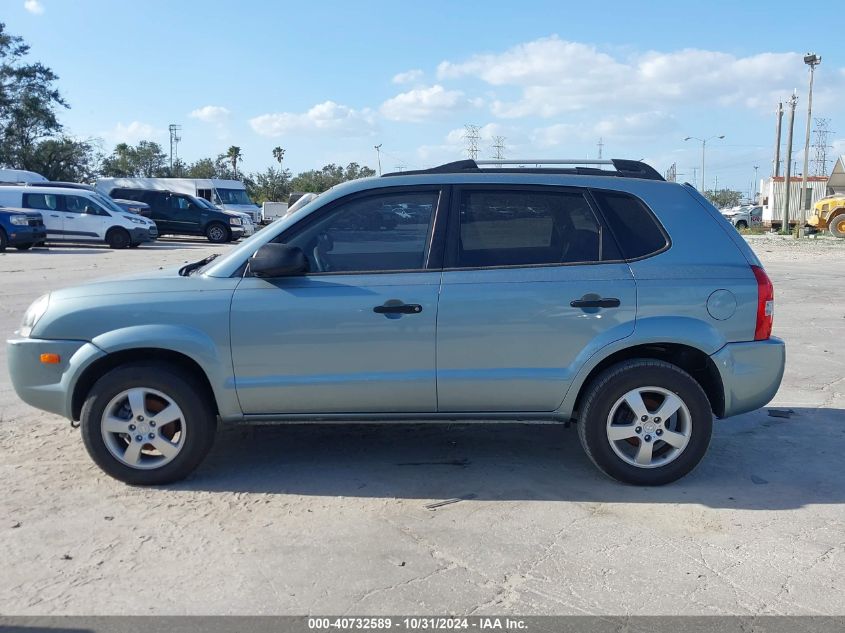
column 74, row 214
column 21, row 229
column 744, row 216
column 183, row 214
column 619, row 303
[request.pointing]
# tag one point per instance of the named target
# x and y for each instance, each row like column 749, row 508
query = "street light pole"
column 812, row 60
column 703, row 142
column 378, row 155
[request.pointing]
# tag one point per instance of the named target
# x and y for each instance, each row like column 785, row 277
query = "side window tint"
column 520, row 228
column 634, row 226
column 43, row 201
column 375, row 233
column 75, row 204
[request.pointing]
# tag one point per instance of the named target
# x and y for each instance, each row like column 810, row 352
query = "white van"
column 229, row 195
column 20, row 176
column 80, row 215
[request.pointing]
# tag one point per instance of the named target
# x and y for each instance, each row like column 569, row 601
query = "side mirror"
column 278, row 260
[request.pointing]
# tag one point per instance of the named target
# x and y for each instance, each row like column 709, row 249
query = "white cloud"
column 420, row 104
column 133, row 132
column 327, row 117
column 408, row 77
column 621, row 129
column 555, row 76
column 33, row 6
column 211, row 114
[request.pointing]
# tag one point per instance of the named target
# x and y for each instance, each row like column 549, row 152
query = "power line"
column 472, row 134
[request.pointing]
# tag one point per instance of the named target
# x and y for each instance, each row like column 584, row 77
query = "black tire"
column 836, row 225
column 609, row 386
column 198, row 413
column 218, row 233
column 742, row 224
column 118, row 238
column 4, row 241
column 135, row 245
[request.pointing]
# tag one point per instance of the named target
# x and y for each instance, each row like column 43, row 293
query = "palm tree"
column 278, row 154
column 234, row 155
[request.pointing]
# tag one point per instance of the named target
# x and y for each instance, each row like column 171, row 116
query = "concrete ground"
column 333, row 519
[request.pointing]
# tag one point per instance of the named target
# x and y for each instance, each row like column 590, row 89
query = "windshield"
column 107, row 202
column 233, row 196
column 205, row 203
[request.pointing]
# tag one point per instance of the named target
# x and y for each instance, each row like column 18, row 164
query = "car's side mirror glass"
column 278, row 260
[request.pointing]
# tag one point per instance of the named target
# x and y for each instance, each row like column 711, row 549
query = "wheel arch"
column 691, row 359
column 171, row 358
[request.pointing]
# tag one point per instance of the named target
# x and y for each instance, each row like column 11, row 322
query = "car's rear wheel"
column 146, row 424
column 217, row 233
column 4, row 241
column 645, row 422
column 836, row 226
column 118, row 238
column 742, row 224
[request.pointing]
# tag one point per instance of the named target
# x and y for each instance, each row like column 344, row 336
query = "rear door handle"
column 604, row 302
column 398, row 308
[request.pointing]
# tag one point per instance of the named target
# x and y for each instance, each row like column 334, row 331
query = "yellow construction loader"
column 829, row 213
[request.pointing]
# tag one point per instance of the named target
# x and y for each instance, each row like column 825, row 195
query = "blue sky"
column 327, row 81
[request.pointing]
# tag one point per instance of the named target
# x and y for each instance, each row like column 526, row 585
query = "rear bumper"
column 751, row 373
column 19, row 235
column 48, row 387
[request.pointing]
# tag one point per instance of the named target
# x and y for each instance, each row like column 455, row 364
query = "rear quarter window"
column 632, row 223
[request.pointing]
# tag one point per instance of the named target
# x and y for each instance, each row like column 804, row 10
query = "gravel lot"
column 332, row 519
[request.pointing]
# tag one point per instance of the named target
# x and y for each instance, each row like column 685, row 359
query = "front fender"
column 188, row 341
column 651, row 330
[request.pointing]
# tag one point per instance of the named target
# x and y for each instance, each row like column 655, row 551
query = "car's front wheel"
column 217, row 233
column 645, row 422
column 146, row 424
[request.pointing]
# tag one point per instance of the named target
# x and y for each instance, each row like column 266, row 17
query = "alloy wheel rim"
column 216, row 233
column 649, row 427
column 143, row 428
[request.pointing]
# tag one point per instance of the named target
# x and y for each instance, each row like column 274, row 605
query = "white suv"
column 81, row 215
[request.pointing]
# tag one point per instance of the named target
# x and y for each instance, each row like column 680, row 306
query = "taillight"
column 765, row 304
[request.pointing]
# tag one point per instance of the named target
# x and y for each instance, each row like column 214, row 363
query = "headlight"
column 235, row 221
column 19, row 220
column 33, row 314
column 134, row 219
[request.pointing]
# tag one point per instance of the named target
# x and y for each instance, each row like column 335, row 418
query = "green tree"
column 279, row 154
column 724, row 198
column 28, row 103
column 146, row 159
column 234, row 155
column 202, row 168
column 64, row 159
column 271, row 185
column 319, row 180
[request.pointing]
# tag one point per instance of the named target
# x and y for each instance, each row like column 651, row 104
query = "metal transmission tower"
column 174, row 143
column 472, row 134
column 601, row 146
column 671, row 173
column 499, row 147
column 821, row 138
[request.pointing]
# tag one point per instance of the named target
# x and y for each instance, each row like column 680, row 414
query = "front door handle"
column 398, row 308
column 603, row 302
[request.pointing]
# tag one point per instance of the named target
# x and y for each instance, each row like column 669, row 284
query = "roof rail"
column 622, row 167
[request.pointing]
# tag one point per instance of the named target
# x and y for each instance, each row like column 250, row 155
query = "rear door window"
column 42, row 201
column 525, row 227
column 632, row 223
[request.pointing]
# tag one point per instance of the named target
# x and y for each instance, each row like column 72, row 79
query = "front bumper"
column 751, row 373
column 19, row 235
column 48, row 387
column 248, row 229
